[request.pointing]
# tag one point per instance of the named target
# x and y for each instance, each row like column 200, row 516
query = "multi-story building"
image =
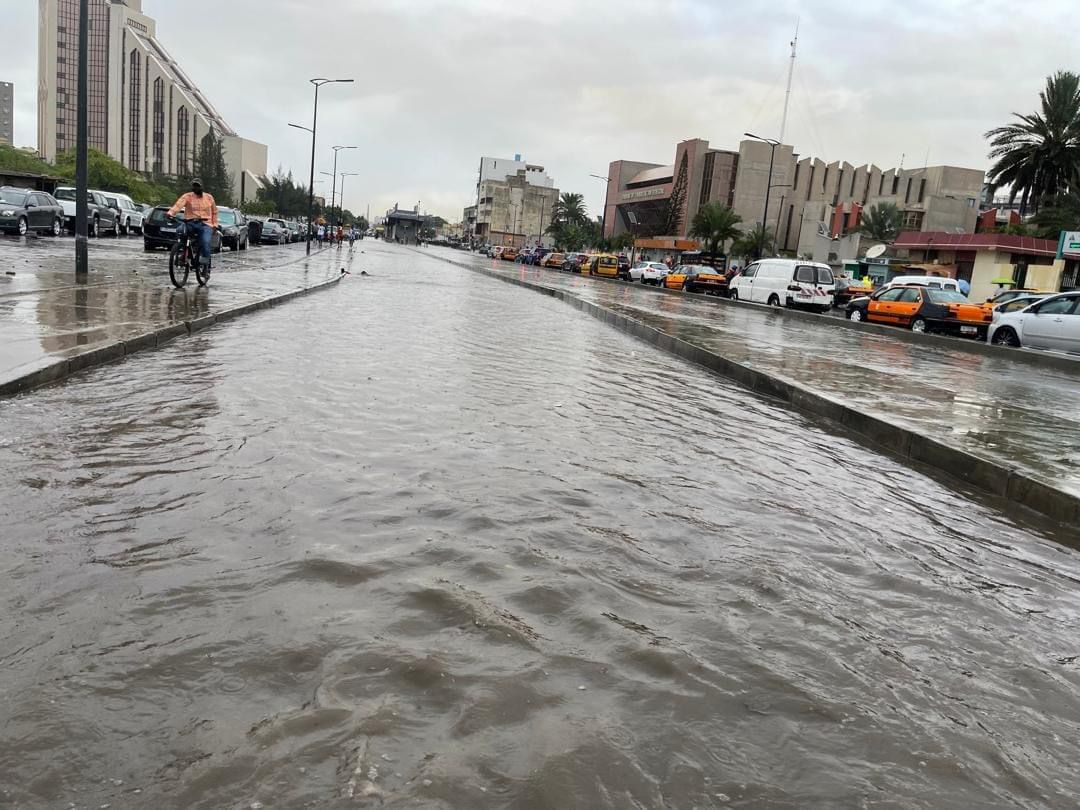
column 142, row 109
column 809, row 200
column 7, row 113
column 514, row 201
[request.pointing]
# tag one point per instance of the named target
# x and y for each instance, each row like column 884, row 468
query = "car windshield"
column 938, row 296
column 226, row 217
column 13, row 197
column 824, row 276
column 158, row 215
column 65, row 194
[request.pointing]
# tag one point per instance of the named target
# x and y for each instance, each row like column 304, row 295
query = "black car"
column 23, row 210
column 274, row 232
column 99, row 216
column 159, row 230
column 624, row 266
column 255, row 228
column 234, row 228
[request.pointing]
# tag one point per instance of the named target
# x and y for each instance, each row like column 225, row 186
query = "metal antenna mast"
column 790, row 74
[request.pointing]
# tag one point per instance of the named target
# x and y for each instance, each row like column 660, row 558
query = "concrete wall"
column 991, row 264
column 247, row 162
column 7, row 113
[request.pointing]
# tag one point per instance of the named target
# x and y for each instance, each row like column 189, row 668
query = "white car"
column 129, row 216
column 786, row 282
column 1053, row 324
column 649, row 272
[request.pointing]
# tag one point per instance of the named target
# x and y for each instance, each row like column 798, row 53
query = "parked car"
column 1009, row 295
column 940, row 282
column 603, row 264
column 100, row 218
column 508, row 253
column 1016, row 304
column 160, row 230
column 655, row 273
column 538, row 255
column 23, row 210
column 1052, row 323
column 698, row 278
column 295, row 229
column 129, row 215
column 849, row 288
column 624, row 266
column 554, row 260
column 787, row 282
column 274, row 232
column 923, row 309
column 637, row 272
column 234, row 230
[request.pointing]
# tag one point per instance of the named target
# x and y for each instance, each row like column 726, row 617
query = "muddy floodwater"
column 432, row 540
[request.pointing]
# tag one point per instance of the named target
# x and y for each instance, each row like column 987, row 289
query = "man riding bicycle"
column 200, row 218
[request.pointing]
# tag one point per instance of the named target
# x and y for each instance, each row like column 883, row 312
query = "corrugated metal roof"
column 977, row 241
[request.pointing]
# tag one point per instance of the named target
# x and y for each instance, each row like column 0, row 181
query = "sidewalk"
column 51, row 326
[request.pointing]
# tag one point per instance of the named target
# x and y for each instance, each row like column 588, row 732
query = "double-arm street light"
column 765, row 218
column 333, row 191
column 314, row 125
column 341, row 196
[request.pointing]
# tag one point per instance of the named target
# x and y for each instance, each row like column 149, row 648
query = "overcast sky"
column 575, row 84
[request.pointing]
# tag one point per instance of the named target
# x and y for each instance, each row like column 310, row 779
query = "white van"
column 937, row 282
column 790, row 282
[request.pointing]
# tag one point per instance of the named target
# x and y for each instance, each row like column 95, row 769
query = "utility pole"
column 82, row 260
column 768, row 188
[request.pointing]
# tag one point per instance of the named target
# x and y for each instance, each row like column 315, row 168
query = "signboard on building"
column 1069, row 244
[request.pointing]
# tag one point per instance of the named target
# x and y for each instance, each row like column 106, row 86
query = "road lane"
column 445, row 542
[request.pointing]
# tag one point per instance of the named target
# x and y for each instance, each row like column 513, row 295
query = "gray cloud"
column 574, row 85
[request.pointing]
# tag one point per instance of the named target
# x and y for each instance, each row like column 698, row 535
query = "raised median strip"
column 54, row 371
column 988, row 475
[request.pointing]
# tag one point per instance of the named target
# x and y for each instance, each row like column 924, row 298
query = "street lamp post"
column 603, row 210
column 779, row 214
column 765, row 218
column 341, row 197
column 314, row 125
column 333, row 191
column 82, row 260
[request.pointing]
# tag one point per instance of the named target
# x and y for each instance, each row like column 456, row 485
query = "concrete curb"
column 985, row 474
column 1032, row 357
column 54, row 372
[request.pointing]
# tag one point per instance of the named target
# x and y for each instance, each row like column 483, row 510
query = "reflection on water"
column 438, row 541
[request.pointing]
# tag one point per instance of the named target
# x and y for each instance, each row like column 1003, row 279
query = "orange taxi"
column 923, row 309
column 508, row 253
column 697, row 278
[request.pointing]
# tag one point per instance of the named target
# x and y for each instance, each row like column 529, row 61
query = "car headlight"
column 7, row 213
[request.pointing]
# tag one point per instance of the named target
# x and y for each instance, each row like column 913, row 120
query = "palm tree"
column 1039, row 154
column 754, row 243
column 569, row 209
column 715, row 224
column 1057, row 215
column 881, row 222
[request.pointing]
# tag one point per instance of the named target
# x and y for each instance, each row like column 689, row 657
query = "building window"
column 922, row 190
column 810, row 183
column 706, row 181
column 134, row 108
column 798, row 171
column 159, row 127
column 851, row 193
column 183, row 124
column 907, row 192
column 913, row 220
column 895, row 184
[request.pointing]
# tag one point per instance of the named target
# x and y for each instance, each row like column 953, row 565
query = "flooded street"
column 432, row 540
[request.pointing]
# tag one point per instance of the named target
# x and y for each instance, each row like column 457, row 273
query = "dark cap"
column 195, row 181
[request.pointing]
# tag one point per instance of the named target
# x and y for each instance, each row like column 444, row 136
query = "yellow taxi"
column 585, row 263
column 923, row 309
column 553, row 260
column 604, row 264
column 508, row 253
column 697, row 278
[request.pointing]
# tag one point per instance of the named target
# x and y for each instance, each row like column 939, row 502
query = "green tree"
column 715, row 224
column 672, row 220
column 286, row 197
column 21, row 160
column 758, row 241
column 1038, row 155
column 1060, row 214
column 623, row 241
column 104, row 173
column 570, row 209
column 211, row 168
column 881, row 222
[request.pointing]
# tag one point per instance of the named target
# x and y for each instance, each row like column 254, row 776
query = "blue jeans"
column 203, row 233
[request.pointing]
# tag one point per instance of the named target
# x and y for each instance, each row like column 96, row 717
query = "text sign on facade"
column 1069, row 244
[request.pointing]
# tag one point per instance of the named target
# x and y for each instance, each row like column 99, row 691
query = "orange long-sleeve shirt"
column 195, row 206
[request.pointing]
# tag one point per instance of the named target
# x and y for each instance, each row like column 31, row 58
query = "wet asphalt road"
column 433, row 540
column 1001, row 406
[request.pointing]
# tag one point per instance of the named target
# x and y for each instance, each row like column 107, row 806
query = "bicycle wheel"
column 201, row 275
column 179, row 258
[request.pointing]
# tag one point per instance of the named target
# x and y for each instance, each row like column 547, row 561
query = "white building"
column 501, row 168
column 142, row 108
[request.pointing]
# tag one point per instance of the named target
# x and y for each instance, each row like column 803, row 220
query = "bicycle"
column 184, row 258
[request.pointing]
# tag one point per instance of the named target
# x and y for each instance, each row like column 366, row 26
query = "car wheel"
column 855, row 315
column 146, row 246
column 121, row 230
column 57, row 228
column 1006, row 336
column 918, row 325
column 92, row 229
column 22, row 227
column 774, row 300
column 733, row 295
column 243, row 245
